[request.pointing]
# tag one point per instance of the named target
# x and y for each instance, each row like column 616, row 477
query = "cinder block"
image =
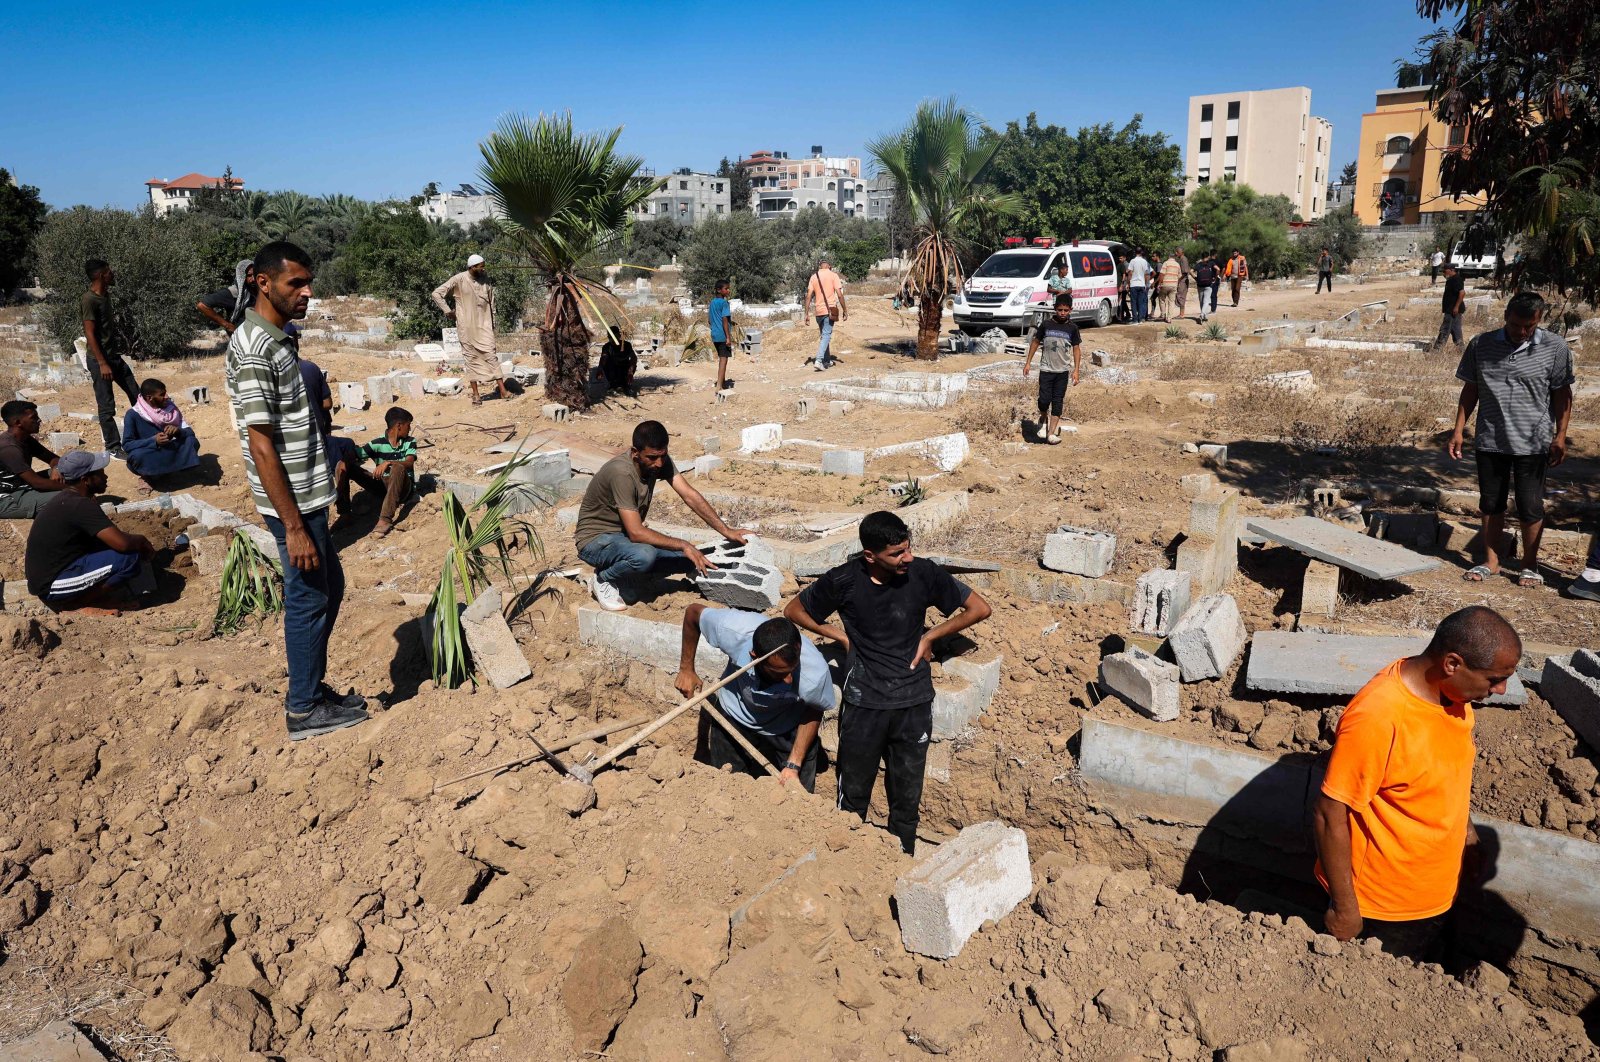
column 711, row 444
column 979, row 876
column 839, row 407
column 759, row 437
column 1216, row 451
column 381, row 390
column 1148, row 684
column 495, row 652
column 1198, row 555
column 553, row 411
column 1198, row 483
column 1100, row 357
column 200, row 395
column 738, row 581
column 64, row 440
column 49, row 411
column 1160, row 598
column 353, row 396
column 209, row 552
column 1319, row 593
column 845, row 462
column 962, row 694
column 1208, row 638
column 1080, row 551
column 1572, row 687
column 706, row 464
column 803, row 407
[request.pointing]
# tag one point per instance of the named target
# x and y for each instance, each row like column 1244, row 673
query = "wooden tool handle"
column 560, row 746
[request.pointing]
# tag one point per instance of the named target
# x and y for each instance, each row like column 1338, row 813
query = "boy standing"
column 1055, row 335
column 721, row 314
column 881, row 598
column 395, row 455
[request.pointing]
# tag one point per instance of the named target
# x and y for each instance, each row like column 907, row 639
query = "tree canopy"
column 21, row 216
column 1230, row 217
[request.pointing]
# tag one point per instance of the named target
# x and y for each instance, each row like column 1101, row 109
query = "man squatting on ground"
column 1520, row 378
column 76, row 559
column 611, row 535
column 1055, row 334
column 881, row 598
column 287, row 465
column 1395, row 840
column 777, row 705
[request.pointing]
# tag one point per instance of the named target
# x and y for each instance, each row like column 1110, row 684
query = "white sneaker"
column 1055, row 440
column 606, row 596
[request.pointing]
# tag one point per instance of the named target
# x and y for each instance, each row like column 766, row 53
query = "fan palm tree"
column 562, row 196
column 939, row 160
column 288, row 214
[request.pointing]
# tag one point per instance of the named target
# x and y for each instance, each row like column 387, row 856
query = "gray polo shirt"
column 1514, row 388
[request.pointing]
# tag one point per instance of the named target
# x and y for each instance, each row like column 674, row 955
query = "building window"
column 719, row 186
column 1231, row 144
column 1205, row 178
column 1229, row 173
column 1233, row 108
column 1205, row 145
column 1458, row 135
column 1205, row 112
column 719, row 208
column 1313, row 204
column 1397, row 145
column 1319, row 145
column 683, row 186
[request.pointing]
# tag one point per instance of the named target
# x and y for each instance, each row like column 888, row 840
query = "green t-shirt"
column 615, row 487
column 381, row 449
column 97, row 308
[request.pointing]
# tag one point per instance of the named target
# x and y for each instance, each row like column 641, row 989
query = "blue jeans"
column 1141, row 303
column 825, row 323
column 614, row 557
column 103, row 567
column 310, row 609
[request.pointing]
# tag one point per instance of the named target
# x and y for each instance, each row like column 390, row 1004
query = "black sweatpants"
column 1324, row 278
column 719, row 749
column 1053, row 391
column 898, row 738
column 105, row 398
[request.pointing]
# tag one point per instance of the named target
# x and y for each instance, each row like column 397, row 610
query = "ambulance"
column 1010, row 289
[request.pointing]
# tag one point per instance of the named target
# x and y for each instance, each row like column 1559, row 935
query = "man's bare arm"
column 215, row 317
column 796, row 614
column 702, row 508
column 973, row 610
column 688, row 681
column 123, row 542
column 94, row 348
column 275, row 481
column 1331, row 823
column 1464, row 407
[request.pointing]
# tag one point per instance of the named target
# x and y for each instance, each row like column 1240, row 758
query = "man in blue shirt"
column 721, row 314
column 777, row 705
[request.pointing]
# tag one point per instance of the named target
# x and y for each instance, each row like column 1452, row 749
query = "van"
column 1474, row 265
column 1008, row 291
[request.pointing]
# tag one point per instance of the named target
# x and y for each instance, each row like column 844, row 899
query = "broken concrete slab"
column 839, row 407
column 1326, row 541
column 962, row 694
column 520, row 497
column 1079, row 550
column 495, row 652
column 1208, row 639
column 586, row 455
column 64, row 440
column 738, row 581
column 1572, row 687
column 979, row 876
column 1161, row 597
column 844, row 462
column 353, row 396
column 760, row 437
column 918, row 390
column 1054, row 588
column 944, row 452
column 1217, row 452
column 59, row 1041
column 1148, row 684
column 543, row 468
column 1308, row 662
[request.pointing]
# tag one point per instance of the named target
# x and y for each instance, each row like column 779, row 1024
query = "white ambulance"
column 1010, row 289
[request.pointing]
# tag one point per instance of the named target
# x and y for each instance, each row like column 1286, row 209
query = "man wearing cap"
column 76, row 556
column 474, row 318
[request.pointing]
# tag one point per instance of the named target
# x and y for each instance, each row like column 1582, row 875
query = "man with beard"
column 285, row 457
column 611, row 534
column 473, row 314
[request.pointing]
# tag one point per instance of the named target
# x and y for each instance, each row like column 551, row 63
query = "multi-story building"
column 775, row 169
column 1397, row 166
column 167, row 196
column 688, row 198
column 466, row 206
column 879, row 195
column 1268, row 139
column 847, row 195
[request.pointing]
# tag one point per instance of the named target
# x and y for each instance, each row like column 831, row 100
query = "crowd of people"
column 1150, row 288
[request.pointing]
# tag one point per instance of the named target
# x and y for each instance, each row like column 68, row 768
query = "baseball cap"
column 474, row 259
column 75, row 464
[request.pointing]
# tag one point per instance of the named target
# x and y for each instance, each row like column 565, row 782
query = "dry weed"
column 997, row 412
column 1207, row 363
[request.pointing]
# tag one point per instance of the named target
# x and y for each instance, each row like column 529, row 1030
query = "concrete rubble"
column 1148, row 684
column 1209, row 552
column 1160, row 598
column 1079, row 551
column 1309, row 662
column 1572, row 687
column 495, row 652
column 1209, row 638
column 979, row 876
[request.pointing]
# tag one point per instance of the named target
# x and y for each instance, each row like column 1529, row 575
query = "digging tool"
column 743, row 741
column 571, row 770
column 594, row 765
column 559, row 746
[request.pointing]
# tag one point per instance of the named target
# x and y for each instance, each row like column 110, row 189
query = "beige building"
column 1269, row 140
column 167, row 196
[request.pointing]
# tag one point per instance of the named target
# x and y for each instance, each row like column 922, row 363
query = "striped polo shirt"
column 381, row 449
column 1514, row 386
column 266, row 389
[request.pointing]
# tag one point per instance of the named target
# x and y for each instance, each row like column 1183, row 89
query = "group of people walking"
column 1147, row 291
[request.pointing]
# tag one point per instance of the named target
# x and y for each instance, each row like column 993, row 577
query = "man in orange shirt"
column 1237, row 272
column 1393, row 822
column 825, row 298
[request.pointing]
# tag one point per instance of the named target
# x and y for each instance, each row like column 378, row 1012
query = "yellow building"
column 1401, row 146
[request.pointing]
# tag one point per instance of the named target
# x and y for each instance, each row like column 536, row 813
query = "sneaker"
column 325, row 718
column 1581, row 587
column 1055, row 440
column 117, row 453
column 606, row 596
column 352, row 700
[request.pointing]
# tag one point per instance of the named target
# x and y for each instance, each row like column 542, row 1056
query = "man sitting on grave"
column 776, row 706
column 23, row 492
column 611, row 534
column 76, row 558
column 155, row 436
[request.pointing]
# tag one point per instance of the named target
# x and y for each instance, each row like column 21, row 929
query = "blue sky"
column 375, row 100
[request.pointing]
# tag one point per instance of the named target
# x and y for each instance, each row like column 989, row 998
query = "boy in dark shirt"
column 1056, row 334
column 881, row 598
column 76, row 558
column 1454, row 305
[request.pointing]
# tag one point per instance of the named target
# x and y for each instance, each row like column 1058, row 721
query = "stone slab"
column 979, row 876
column 1336, row 544
column 586, row 455
column 760, row 437
column 1208, row 638
column 59, row 1041
column 63, row 440
column 945, row 452
column 739, row 580
column 1079, row 551
column 844, row 462
column 1148, row 684
column 1336, row 664
column 1572, row 687
column 495, row 652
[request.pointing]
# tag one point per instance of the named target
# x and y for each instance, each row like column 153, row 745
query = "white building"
column 1267, row 139
column 847, row 195
column 688, row 198
column 466, row 206
column 167, row 196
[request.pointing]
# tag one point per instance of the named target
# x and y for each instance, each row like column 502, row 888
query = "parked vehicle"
column 1009, row 290
column 1474, row 265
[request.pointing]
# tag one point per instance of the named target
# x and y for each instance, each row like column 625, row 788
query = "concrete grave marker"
column 1309, row 662
column 1336, row 544
column 978, row 877
column 1080, row 551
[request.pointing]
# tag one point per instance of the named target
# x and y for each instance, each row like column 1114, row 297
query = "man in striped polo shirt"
column 289, row 478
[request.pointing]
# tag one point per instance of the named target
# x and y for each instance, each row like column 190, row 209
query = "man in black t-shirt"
column 1454, row 304
column 75, row 555
column 881, row 598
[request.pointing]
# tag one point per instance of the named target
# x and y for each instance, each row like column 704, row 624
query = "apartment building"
column 688, row 198
column 466, row 206
column 1397, row 166
column 177, row 194
column 1268, row 139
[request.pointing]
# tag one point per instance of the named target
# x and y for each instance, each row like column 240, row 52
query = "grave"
column 352, row 396
column 1336, row 544
column 1572, row 687
column 1080, row 551
column 1295, row 380
column 544, row 468
column 760, row 437
column 844, row 462
column 1337, row 664
column 916, row 390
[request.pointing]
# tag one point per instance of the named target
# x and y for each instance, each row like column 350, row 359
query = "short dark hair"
column 397, row 415
column 1064, row 299
column 777, row 633
column 274, row 256
column 16, row 409
column 1525, row 305
column 93, row 266
column 1476, row 634
column 883, row 529
column 650, row 435
column 151, row 387
column 721, row 284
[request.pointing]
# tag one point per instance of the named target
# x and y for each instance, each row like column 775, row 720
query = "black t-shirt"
column 221, row 302
column 17, row 458
column 1452, row 292
column 97, row 308
column 64, row 530
column 884, row 622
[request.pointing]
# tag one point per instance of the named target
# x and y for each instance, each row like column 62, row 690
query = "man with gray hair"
column 1519, row 377
column 473, row 314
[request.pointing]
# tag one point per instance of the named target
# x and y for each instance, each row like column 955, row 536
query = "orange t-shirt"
column 1404, row 767
column 823, row 292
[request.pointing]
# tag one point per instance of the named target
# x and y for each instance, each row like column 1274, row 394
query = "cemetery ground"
column 178, row 881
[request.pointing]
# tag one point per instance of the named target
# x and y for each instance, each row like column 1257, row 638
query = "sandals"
column 1530, row 580
column 1477, row 573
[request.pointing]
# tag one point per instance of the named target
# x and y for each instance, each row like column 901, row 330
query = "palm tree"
column 939, row 160
column 288, row 213
column 562, row 196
